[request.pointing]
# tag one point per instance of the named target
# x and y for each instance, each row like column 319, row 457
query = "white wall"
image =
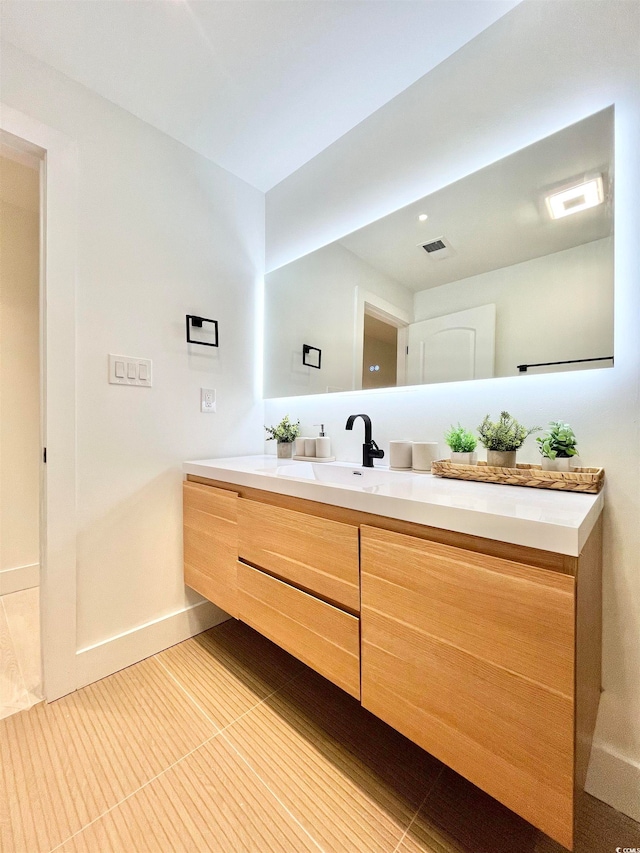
column 19, row 375
column 162, row 232
column 541, row 67
column 552, row 308
column 313, row 301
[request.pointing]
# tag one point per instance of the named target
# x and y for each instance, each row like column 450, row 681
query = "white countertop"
column 540, row 518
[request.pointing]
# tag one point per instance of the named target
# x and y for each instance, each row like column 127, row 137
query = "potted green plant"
column 285, row 433
column 462, row 443
column 557, row 446
column 502, row 439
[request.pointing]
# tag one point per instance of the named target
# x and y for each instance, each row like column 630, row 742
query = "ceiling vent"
column 438, row 249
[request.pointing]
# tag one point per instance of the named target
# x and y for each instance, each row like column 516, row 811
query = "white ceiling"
column 258, row 86
column 497, row 216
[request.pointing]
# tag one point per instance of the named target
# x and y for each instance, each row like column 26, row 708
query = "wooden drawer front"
column 514, row 616
column 323, row 637
column 311, row 552
column 472, row 658
column 211, row 544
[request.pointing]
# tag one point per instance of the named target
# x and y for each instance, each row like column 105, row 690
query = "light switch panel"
column 128, row 370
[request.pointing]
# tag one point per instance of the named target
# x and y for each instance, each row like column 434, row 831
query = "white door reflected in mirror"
column 452, row 348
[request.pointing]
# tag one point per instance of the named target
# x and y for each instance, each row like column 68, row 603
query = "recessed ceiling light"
column 422, row 217
column 576, row 198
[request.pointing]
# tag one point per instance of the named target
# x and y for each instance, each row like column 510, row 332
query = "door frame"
column 58, row 249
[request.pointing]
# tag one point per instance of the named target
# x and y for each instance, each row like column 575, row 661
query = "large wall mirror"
column 508, row 271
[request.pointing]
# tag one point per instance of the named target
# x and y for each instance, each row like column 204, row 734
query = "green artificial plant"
column 558, row 442
column 285, row 432
column 461, row 440
column 504, row 434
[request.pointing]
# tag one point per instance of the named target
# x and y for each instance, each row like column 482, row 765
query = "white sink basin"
column 343, row 474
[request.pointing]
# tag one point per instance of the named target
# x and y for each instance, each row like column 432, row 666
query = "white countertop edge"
column 542, row 535
column 590, row 522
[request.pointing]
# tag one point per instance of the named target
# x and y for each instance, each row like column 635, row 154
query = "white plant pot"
column 285, row 449
column 501, row 458
column 557, row 464
column 464, row 458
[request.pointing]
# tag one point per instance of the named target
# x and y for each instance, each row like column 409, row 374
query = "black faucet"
column 370, row 449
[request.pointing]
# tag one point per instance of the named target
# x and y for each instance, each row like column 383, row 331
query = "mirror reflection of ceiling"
column 496, row 217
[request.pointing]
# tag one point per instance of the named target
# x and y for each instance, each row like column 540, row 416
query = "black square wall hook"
column 311, row 356
column 195, row 322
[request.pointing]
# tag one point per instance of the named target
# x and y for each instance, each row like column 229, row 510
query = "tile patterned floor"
column 225, row 743
column 20, row 678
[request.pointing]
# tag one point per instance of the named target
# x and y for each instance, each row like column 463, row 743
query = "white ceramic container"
column 424, row 453
column 400, row 455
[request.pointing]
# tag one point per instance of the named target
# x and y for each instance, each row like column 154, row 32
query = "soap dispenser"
column 323, row 444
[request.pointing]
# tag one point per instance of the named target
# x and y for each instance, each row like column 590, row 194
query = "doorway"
column 380, row 339
column 379, row 353
column 20, row 429
column 57, row 157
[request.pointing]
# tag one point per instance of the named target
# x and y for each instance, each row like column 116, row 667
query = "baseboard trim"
column 614, row 779
column 22, row 577
column 116, row 653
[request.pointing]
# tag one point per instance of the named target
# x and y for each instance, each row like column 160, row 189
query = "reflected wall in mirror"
column 507, row 268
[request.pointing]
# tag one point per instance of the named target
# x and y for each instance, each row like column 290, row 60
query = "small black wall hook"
column 311, row 356
column 193, row 321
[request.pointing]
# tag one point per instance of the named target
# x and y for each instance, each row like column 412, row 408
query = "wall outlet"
column 207, row 400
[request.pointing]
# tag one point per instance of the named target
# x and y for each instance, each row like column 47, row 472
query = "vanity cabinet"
column 486, row 654
column 210, row 525
column 472, row 657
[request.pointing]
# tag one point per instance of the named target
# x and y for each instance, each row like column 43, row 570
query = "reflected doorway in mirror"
column 379, row 353
column 380, row 341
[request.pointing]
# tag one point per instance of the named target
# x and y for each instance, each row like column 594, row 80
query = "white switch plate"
column 207, row 400
column 128, row 370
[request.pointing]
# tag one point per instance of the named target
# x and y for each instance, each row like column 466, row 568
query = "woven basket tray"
column 589, row 480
